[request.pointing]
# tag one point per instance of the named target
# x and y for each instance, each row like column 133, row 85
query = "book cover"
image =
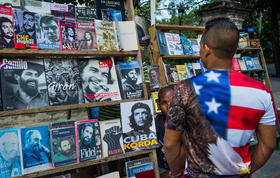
column 139, row 168
column 131, row 79
column 111, row 136
column 61, row 124
column 127, row 36
column 136, row 162
column 147, row 174
column 172, row 72
column 243, row 40
column 187, row 46
column 7, row 21
column 115, row 174
column 249, row 63
column 154, row 77
column 63, row 81
column 106, row 36
column 195, row 46
column 87, row 36
column 99, row 80
column 235, row 64
column 10, row 164
column 162, row 43
column 241, row 63
column 142, row 30
column 112, row 15
column 85, row 14
column 189, row 69
column 25, row 33
column 88, row 144
column 138, row 125
column 256, row 62
column 182, row 72
column 104, row 6
column 35, row 148
column 154, row 96
column 174, row 44
column 68, row 35
column 196, row 67
column 253, row 38
column 12, row 3
column 63, row 146
column 23, row 84
column 47, row 32
column 39, row 7
column 63, row 11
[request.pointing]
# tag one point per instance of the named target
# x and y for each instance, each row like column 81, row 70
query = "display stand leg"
column 153, row 157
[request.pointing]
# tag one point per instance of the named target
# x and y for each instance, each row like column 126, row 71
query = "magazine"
column 87, row 36
column 68, row 35
column 85, row 14
column 6, row 18
column 104, row 7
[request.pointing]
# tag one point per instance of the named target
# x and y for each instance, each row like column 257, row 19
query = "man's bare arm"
column 172, row 145
column 266, row 135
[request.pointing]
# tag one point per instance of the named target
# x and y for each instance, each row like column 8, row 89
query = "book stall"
column 64, row 71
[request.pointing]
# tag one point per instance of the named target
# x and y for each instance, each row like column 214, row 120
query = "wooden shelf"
column 84, row 164
column 64, row 107
column 198, row 29
column 33, row 52
column 180, row 56
column 247, row 49
column 253, row 70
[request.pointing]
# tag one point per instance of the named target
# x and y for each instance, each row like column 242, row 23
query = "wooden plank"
column 84, row 164
column 153, row 157
column 247, row 49
column 64, row 107
column 33, row 52
column 180, row 56
column 198, row 29
column 253, row 70
column 265, row 68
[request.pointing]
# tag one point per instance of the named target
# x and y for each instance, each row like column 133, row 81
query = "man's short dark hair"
column 163, row 90
column 148, row 122
column 3, row 20
column 28, row 13
column 126, row 71
column 47, row 20
column 222, row 36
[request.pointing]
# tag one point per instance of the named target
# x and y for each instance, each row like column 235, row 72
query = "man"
column 89, row 41
column 65, row 150
column 27, row 94
column 6, row 33
column 70, row 34
column 50, row 30
column 130, row 83
column 9, row 155
column 34, row 152
column 29, row 26
column 86, row 140
column 219, row 110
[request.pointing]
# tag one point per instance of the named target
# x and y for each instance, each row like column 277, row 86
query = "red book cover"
column 146, row 174
column 67, row 35
column 7, row 22
column 235, row 65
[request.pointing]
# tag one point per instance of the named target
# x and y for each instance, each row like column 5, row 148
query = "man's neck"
column 219, row 64
column 7, row 39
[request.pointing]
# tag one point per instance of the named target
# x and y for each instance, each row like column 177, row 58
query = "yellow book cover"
column 182, row 72
column 154, row 98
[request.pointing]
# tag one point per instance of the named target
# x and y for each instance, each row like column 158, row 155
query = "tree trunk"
column 275, row 40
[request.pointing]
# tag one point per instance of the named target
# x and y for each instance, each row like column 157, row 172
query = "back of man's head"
column 222, row 36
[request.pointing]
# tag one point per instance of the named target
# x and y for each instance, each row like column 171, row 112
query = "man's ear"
column 207, row 50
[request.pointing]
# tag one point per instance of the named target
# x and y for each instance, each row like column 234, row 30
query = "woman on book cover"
column 89, row 41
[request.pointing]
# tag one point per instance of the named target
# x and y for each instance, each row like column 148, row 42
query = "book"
column 172, row 72
column 23, row 84
column 154, row 96
column 256, row 62
column 195, row 46
column 68, row 35
column 103, row 7
column 39, row 7
column 139, row 168
column 127, row 37
column 63, row 146
column 196, row 68
column 10, row 153
column 243, row 40
column 147, row 174
column 7, row 20
column 241, row 63
column 63, row 81
column 13, row 3
column 63, row 11
column 142, row 30
column 138, row 125
column 235, row 64
column 131, row 79
column 99, row 80
column 47, row 32
column 35, row 149
column 111, row 136
column 88, row 144
column 154, row 77
column 136, row 162
column 86, row 36
column 253, row 38
column 174, row 44
column 182, row 72
column 249, row 63
column 85, row 14
column 187, row 46
column 190, row 70
column 115, row 174
column 61, row 124
column 162, row 43
column 106, row 36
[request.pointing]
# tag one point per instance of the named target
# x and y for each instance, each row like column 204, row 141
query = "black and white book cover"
column 63, row 11
column 131, row 79
column 111, row 136
column 63, row 143
column 138, row 125
column 85, row 14
column 7, row 21
column 136, row 162
column 39, row 7
column 23, row 84
column 25, row 32
column 10, row 164
column 35, row 148
column 99, row 80
column 104, row 7
column 88, row 144
column 174, row 44
column 63, row 81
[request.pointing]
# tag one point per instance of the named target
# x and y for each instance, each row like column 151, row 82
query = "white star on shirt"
column 197, row 88
column 212, row 76
column 213, row 106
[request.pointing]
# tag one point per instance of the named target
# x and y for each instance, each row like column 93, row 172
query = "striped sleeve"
column 270, row 116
